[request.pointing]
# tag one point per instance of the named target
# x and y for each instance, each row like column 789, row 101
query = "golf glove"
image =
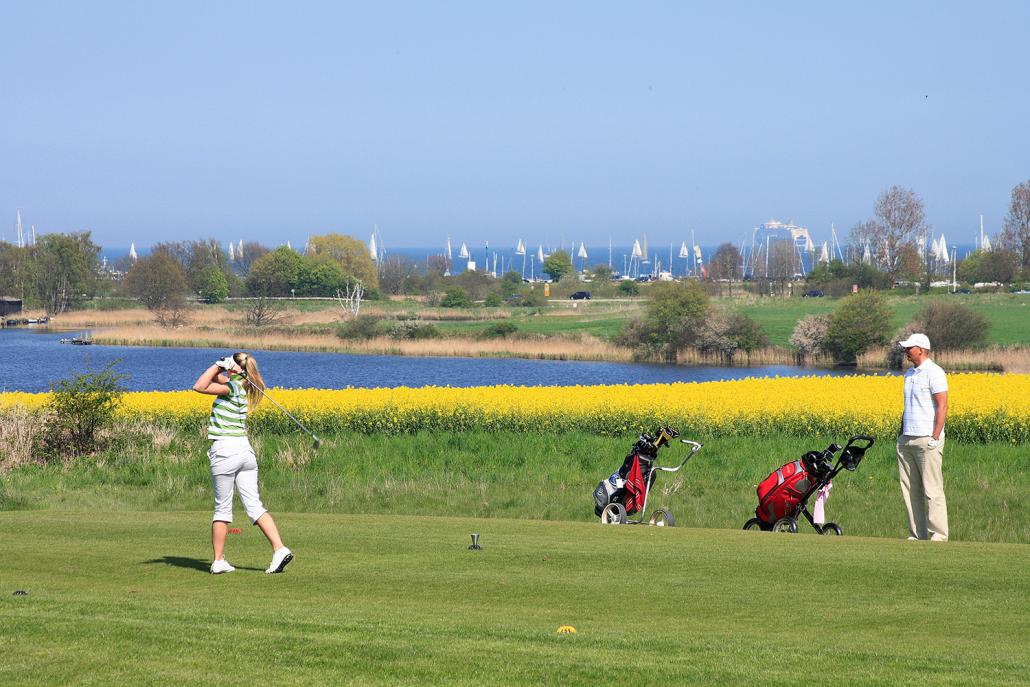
column 226, row 363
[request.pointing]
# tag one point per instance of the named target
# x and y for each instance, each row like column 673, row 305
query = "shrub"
column 952, row 325
column 361, row 327
column 263, row 311
column 493, row 300
column 79, row 409
column 534, row 298
column 809, row 336
column 456, row 297
column 499, row 330
column 673, row 318
column 415, row 330
column 859, row 322
column 725, row 334
column 748, row 334
column 628, row 287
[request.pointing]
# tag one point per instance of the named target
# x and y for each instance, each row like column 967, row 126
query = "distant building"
column 9, row 306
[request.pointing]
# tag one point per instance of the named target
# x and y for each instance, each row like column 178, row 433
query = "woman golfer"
column 237, row 384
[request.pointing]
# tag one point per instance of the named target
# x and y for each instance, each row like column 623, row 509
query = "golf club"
column 315, row 441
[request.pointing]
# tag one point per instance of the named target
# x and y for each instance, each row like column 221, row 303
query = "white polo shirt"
column 920, row 385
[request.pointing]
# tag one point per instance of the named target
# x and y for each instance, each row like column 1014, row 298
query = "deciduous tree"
column 558, row 264
column 1016, row 235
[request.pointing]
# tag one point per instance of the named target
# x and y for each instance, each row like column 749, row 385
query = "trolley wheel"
column 753, row 524
column 785, row 525
column 831, row 528
column 662, row 518
column 613, row 514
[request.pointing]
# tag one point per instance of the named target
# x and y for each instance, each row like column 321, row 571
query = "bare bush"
column 263, row 311
column 953, row 325
column 175, row 313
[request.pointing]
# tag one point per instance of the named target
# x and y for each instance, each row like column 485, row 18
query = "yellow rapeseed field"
column 983, row 407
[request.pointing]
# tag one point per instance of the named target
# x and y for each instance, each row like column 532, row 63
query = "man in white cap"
column 921, row 443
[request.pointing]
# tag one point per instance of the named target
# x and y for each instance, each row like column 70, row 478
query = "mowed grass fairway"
column 117, row 598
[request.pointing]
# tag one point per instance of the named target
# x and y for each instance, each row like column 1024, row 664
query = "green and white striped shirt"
column 229, row 412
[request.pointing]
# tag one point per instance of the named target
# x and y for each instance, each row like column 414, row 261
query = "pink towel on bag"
column 819, row 510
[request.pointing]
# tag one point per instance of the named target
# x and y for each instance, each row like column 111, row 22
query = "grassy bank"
column 556, row 332
column 397, row 600
column 520, row 475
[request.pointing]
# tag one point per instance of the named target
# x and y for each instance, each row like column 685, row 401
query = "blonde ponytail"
column 254, row 382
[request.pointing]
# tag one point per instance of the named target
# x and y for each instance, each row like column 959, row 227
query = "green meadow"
column 113, row 550
column 124, row 598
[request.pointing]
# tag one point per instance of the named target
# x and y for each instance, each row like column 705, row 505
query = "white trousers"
column 234, row 466
column 922, row 487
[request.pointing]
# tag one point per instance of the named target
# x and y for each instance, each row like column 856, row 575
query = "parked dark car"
column 814, row 293
column 580, row 296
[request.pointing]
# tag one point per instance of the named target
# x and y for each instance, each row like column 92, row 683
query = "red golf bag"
column 780, row 492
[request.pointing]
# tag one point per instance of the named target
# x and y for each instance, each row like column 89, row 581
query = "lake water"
column 31, row 359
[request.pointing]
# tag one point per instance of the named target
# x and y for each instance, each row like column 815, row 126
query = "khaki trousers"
column 922, row 487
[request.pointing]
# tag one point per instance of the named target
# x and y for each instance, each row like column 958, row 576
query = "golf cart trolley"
column 627, row 490
column 783, row 496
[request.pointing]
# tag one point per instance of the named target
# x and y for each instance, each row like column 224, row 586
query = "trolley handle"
column 695, row 446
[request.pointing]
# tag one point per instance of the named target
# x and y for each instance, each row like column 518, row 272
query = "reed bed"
column 583, row 347
column 207, row 316
column 18, row 425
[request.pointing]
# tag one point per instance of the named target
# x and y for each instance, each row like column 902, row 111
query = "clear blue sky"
column 492, row 121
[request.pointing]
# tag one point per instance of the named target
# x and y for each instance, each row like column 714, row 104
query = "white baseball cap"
column 921, row 340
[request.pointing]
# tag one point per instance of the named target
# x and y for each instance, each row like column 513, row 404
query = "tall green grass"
column 524, row 476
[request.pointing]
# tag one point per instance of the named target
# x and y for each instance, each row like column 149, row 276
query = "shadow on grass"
column 191, row 563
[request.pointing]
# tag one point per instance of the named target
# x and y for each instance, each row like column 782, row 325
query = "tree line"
column 63, row 270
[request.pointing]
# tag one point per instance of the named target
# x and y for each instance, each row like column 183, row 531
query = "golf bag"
column 780, row 492
column 783, row 495
column 628, row 485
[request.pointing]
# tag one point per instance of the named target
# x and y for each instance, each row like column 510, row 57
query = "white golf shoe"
column 280, row 559
column 221, row 566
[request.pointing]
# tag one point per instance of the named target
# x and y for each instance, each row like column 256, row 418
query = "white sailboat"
column 239, row 250
column 582, row 254
column 520, row 249
column 943, row 250
column 373, row 250
column 985, row 240
column 867, row 255
column 824, row 254
column 232, row 253
column 448, row 252
column 19, row 232
column 464, row 252
column 132, row 252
